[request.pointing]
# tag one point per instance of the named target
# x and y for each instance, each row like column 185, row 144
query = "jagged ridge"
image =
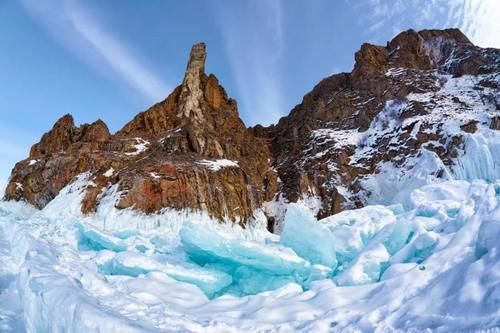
column 190, row 151
column 193, row 151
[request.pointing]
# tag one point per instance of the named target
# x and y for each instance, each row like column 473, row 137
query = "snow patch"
column 339, row 138
column 109, row 173
column 216, row 165
column 154, row 175
column 140, row 146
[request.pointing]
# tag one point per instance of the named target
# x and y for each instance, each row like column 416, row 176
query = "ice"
column 352, row 230
column 489, row 232
column 91, row 239
column 394, row 185
column 366, row 268
column 248, row 261
column 137, row 264
column 432, row 264
column 480, row 158
column 308, row 238
column 417, row 250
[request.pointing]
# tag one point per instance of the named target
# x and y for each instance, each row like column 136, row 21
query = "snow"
column 140, row 147
column 216, row 165
column 430, row 264
column 456, row 103
column 340, row 138
column 109, row 173
column 32, row 162
column 154, row 175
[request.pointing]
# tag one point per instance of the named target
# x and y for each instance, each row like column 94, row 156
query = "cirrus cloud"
column 78, row 29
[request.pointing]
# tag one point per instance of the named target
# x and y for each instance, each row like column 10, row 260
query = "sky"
column 111, row 59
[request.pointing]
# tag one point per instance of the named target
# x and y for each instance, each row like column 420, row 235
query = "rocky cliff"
column 412, row 101
column 190, row 151
column 423, row 93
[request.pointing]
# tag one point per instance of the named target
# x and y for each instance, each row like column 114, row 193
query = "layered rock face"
column 423, row 93
column 190, row 151
column 393, row 108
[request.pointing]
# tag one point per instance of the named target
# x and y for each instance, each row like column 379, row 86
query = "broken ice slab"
column 93, row 240
column 136, row 264
column 208, row 247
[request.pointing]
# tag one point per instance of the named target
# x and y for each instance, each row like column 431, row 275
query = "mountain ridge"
column 192, row 151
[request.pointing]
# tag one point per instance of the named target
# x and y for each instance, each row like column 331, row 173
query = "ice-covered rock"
column 480, row 158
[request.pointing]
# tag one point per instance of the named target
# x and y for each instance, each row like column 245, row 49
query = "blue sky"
column 112, row 59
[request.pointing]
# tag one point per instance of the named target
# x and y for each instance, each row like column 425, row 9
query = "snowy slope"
column 432, row 263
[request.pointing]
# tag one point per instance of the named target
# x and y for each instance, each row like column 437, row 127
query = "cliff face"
column 189, row 151
column 193, row 151
column 397, row 105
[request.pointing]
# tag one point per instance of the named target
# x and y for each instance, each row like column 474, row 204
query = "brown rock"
column 158, row 158
column 470, row 127
column 495, row 123
column 58, row 139
column 96, row 132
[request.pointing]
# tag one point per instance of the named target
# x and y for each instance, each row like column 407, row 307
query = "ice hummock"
column 254, row 266
column 430, row 263
column 318, row 247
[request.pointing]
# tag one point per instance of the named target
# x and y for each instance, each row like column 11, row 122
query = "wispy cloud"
column 254, row 42
column 80, row 30
column 477, row 19
column 481, row 22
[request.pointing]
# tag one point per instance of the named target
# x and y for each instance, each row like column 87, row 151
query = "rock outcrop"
column 391, row 108
column 192, row 151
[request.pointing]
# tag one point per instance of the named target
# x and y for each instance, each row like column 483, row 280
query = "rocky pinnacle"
column 168, row 156
column 192, row 92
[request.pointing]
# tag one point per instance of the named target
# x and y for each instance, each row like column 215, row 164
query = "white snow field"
column 428, row 260
column 434, row 267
